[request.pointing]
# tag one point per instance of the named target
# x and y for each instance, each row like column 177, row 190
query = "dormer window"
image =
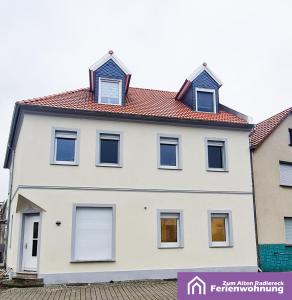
column 205, row 100
column 110, row 91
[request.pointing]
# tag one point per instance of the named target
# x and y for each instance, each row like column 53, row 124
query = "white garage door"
column 93, row 233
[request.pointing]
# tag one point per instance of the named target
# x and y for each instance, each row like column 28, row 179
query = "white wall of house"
column 192, row 190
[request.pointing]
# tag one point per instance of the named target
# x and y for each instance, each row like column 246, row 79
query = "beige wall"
column 273, row 202
column 136, row 227
column 32, row 163
column 136, row 231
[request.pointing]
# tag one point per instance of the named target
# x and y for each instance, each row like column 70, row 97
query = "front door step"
column 24, row 280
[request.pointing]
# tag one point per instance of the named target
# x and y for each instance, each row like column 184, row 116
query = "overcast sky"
column 47, row 46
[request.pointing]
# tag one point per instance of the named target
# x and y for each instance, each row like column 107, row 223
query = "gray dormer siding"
column 110, row 70
column 203, row 80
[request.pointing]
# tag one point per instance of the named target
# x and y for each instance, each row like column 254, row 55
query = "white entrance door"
column 30, row 242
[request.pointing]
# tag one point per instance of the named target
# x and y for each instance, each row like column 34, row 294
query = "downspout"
column 9, row 203
column 254, row 209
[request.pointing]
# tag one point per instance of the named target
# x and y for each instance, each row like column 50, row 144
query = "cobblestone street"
column 155, row 290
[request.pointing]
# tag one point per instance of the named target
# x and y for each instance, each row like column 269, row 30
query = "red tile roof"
column 144, row 102
column 266, row 127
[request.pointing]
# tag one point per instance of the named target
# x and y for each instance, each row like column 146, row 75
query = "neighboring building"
column 113, row 182
column 271, row 144
column 3, row 230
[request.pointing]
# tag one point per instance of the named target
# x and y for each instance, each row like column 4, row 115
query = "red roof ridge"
column 51, row 95
column 154, row 90
column 265, row 128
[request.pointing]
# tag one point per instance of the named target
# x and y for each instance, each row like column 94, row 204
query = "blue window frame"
column 109, row 149
column 65, row 146
column 169, row 152
column 205, row 100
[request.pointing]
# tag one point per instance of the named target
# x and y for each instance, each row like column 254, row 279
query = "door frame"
column 23, row 214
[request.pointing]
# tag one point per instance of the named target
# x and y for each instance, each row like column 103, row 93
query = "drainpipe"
column 9, row 203
column 254, row 209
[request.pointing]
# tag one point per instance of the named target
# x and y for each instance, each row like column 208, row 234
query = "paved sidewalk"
column 162, row 290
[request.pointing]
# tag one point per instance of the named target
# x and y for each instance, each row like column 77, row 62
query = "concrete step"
column 26, row 275
column 23, row 282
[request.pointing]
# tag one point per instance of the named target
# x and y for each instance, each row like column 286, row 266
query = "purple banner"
column 234, row 286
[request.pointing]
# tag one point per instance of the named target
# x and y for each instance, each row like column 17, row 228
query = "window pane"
column 168, row 155
column 290, row 134
column 34, row 247
column 169, row 230
column 286, row 174
column 205, row 101
column 109, row 151
column 110, row 92
column 65, row 149
column 215, row 156
column 218, row 229
column 288, row 230
column 35, row 230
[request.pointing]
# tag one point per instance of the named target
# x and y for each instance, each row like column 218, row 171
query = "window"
column 286, row 173
column 220, row 234
column 216, row 155
column 93, row 233
column 110, row 91
column 170, row 234
column 169, row 152
column 109, row 149
column 65, row 147
column 290, row 136
column 205, row 100
column 288, row 230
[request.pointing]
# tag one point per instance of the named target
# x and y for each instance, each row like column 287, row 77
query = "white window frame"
column 288, row 165
column 228, row 228
column 170, row 213
column 214, row 99
column 217, row 142
column 112, row 135
column 169, row 140
column 75, row 134
column 113, row 252
column 290, row 219
column 118, row 81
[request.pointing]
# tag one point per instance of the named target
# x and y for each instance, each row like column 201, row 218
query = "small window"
column 169, row 153
column 205, row 100
column 286, row 173
column 288, row 230
column 110, row 91
column 216, row 155
column 65, row 147
column 170, row 230
column 109, row 149
column 220, row 231
column 290, row 136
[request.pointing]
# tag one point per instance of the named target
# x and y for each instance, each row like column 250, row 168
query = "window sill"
column 217, row 170
column 220, row 246
column 109, row 165
column 169, row 168
column 62, row 163
column 91, row 261
column 170, row 247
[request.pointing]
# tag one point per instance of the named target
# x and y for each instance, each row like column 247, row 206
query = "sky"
column 47, row 46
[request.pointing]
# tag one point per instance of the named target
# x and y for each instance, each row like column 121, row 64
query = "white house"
column 113, row 182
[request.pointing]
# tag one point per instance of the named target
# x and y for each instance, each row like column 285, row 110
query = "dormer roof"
column 194, row 75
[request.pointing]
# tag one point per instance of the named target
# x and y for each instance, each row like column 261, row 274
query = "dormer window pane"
column 205, row 100
column 110, row 91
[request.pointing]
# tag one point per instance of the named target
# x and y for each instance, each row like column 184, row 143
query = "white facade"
column 133, row 195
